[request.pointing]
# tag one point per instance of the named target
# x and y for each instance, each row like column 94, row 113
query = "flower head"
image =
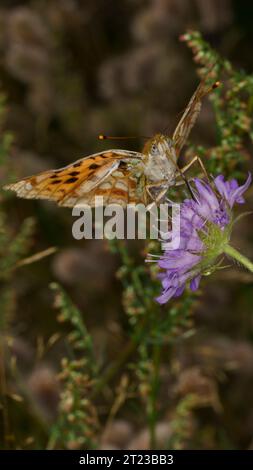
column 205, row 229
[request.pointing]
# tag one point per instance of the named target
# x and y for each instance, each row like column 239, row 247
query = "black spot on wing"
column 74, row 173
column 94, row 166
column 56, row 181
column 71, row 180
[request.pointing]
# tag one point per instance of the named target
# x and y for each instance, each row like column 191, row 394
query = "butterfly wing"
column 120, row 187
column 83, row 179
column 190, row 115
column 115, row 183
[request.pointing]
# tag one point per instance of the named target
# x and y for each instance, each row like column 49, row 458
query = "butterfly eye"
column 154, row 149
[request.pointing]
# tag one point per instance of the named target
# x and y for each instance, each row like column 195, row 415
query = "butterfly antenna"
column 112, row 137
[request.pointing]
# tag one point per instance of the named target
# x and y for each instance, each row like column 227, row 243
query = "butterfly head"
column 160, row 159
column 160, row 145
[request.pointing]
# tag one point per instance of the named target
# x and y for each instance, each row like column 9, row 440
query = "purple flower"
column 205, row 228
column 230, row 190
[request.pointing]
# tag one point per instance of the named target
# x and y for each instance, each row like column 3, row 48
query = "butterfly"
column 120, row 176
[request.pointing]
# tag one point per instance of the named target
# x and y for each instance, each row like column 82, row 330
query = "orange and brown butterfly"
column 119, row 176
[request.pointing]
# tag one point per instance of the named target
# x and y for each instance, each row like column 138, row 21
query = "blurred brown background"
column 71, row 70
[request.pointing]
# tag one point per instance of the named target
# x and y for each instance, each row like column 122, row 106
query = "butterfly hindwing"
column 120, row 187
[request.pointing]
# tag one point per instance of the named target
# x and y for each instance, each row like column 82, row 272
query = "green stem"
column 233, row 253
column 113, row 369
column 155, row 385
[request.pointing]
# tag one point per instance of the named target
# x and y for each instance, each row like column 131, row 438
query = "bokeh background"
column 70, row 70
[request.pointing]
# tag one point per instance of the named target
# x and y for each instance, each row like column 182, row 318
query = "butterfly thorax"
column 160, row 160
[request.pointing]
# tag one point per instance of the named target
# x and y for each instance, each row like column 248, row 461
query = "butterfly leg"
column 198, row 160
column 160, row 195
column 182, row 171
